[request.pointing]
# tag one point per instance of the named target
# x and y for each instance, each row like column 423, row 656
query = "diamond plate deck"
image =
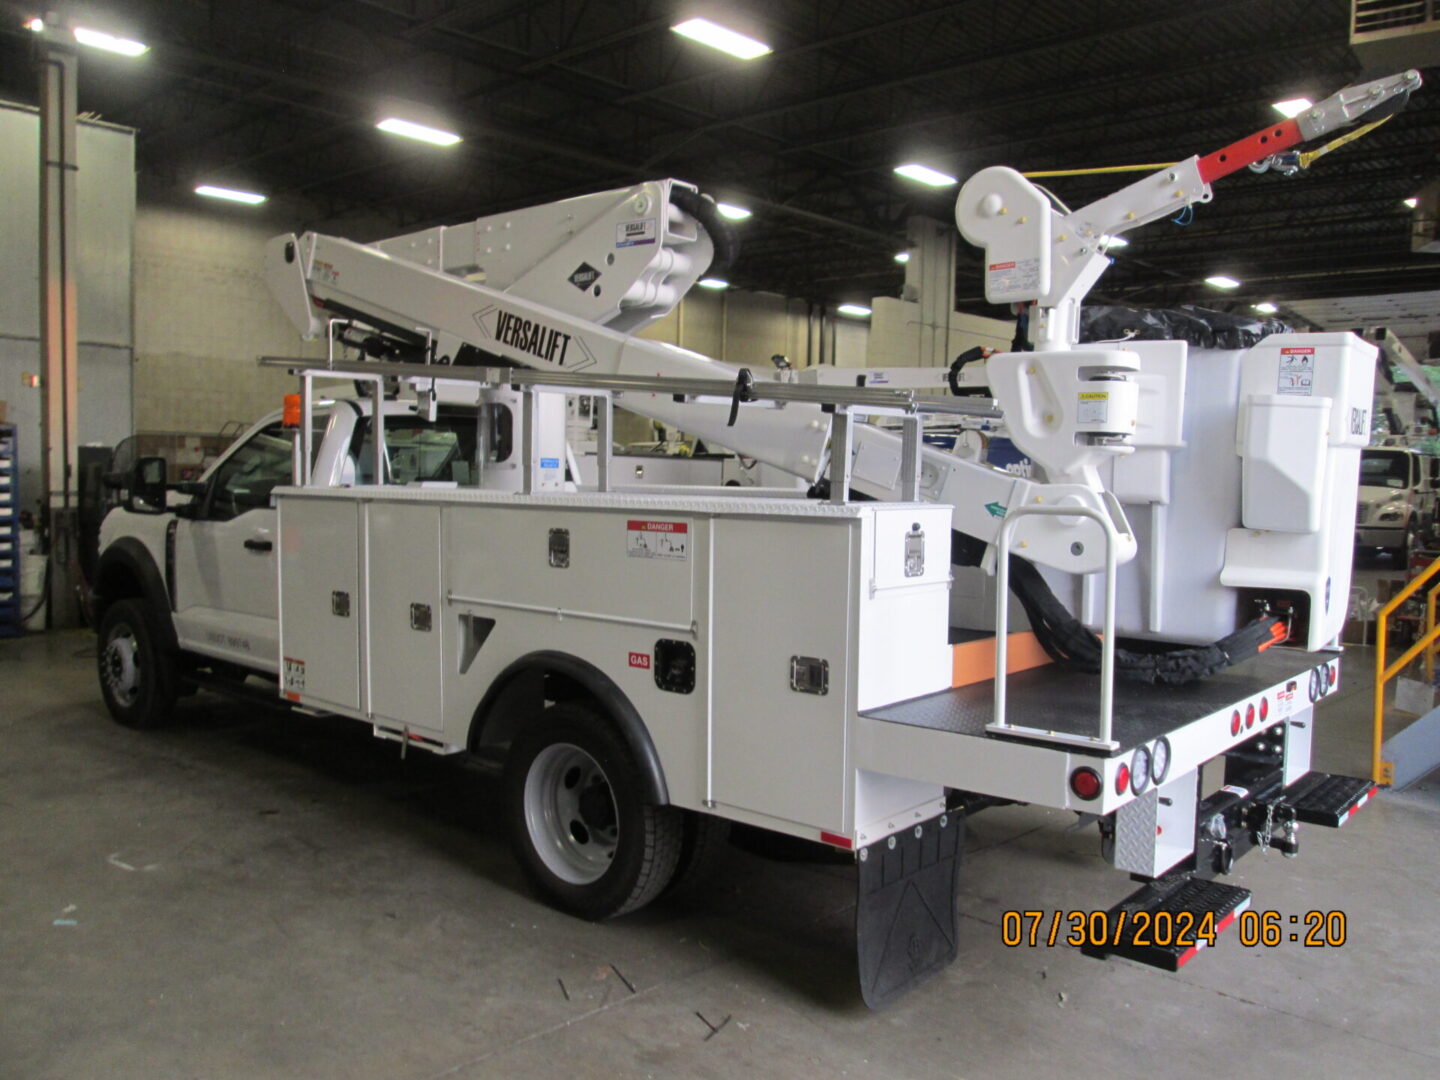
column 1055, row 699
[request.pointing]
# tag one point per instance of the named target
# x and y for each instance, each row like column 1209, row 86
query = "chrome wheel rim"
column 571, row 815
column 120, row 665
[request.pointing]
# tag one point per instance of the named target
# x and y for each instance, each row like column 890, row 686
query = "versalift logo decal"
column 531, row 336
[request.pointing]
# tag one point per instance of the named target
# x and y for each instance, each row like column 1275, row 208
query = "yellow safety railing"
column 1382, row 772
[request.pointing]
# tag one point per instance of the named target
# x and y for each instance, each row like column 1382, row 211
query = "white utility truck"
column 648, row 665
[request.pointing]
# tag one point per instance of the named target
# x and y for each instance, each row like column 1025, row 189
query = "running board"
column 1185, row 914
column 1326, row 799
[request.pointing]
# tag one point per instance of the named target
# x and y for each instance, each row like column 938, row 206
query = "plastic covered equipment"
column 1201, row 327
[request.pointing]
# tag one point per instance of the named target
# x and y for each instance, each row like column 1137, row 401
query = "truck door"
column 225, row 579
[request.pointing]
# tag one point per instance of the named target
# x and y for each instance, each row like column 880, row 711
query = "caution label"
column 1093, row 407
column 1014, row 276
column 1297, row 371
column 657, row 540
column 292, row 678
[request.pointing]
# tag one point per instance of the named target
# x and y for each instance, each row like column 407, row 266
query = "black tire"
column 704, row 840
column 579, row 826
column 138, row 675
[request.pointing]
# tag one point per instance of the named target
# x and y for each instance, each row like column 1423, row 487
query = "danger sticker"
column 1297, row 372
column 640, row 660
column 635, row 233
column 1093, row 407
column 657, row 540
column 1019, row 275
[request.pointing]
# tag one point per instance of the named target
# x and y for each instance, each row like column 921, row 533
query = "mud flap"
column 905, row 911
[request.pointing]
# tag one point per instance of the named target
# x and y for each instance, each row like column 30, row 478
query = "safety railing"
column 1001, row 725
column 1381, row 771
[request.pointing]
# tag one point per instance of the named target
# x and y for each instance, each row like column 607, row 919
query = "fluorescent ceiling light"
column 857, row 310
column 902, row 256
column 1114, row 241
column 1265, row 307
column 418, row 131
column 1221, row 281
column 731, row 211
column 722, row 38
column 249, row 198
column 713, row 283
column 36, row 24
column 109, row 42
column 925, row 175
column 1293, row 107
column 1412, row 202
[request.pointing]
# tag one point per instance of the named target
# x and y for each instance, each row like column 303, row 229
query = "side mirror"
column 147, row 486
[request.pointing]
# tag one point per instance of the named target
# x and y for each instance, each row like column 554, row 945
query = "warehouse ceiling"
column 560, row 97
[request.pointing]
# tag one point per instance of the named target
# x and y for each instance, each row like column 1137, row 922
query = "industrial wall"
column 202, row 316
column 105, row 195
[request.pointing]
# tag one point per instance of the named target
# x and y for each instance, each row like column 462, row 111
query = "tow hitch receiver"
column 1327, row 799
column 1165, row 923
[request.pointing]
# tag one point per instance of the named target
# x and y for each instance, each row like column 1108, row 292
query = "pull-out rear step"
column 1327, row 799
column 1164, row 924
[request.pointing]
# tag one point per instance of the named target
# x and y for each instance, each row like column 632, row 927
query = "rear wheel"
column 580, row 828
column 137, row 674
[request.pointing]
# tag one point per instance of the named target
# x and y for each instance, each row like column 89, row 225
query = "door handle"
column 259, row 545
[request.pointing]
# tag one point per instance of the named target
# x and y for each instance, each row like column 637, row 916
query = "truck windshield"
column 1384, row 468
column 418, row 450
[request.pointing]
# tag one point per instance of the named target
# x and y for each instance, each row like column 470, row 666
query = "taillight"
column 1330, row 675
column 1085, row 783
column 1250, row 715
column 1122, row 779
column 1235, row 722
column 1264, row 709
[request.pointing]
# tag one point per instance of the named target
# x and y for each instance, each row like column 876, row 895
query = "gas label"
column 640, row 660
column 635, row 233
column 1297, row 371
column 657, row 540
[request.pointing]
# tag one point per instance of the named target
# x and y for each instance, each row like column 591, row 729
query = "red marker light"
column 1235, row 722
column 1250, row 715
column 1085, row 783
column 1330, row 674
column 1264, row 709
column 1122, row 779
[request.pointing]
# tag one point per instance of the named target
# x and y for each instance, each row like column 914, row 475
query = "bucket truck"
column 646, row 666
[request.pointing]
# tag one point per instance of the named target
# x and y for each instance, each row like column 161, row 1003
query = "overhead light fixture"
column 902, row 257
column 1412, row 202
column 249, row 198
column 713, row 283
column 858, row 311
column 1221, row 281
column 410, row 130
column 1265, row 307
column 720, row 37
column 1293, row 107
column 98, row 39
column 1114, row 241
column 731, row 211
column 36, row 25
column 925, row 175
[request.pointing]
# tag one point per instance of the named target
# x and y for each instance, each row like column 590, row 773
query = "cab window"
column 418, row 450
column 248, row 476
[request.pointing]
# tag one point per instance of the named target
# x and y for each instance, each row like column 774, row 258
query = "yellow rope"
column 1101, row 169
column 1310, row 155
column 1305, row 158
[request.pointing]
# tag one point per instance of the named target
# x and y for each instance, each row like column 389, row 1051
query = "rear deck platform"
column 1056, row 699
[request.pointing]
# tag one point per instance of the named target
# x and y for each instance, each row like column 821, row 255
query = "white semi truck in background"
column 407, row 544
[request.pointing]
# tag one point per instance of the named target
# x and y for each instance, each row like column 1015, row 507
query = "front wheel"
column 137, row 674
column 579, row 826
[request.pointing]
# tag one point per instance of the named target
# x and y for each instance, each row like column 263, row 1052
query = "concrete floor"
column 251, row 895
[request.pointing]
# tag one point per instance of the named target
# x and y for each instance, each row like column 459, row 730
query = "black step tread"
column 1195, row 896
column 1327, row 799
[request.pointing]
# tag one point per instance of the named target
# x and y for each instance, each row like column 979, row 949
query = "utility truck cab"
column 1395, row 510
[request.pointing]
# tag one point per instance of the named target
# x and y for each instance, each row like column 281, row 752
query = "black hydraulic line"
column 703, row 210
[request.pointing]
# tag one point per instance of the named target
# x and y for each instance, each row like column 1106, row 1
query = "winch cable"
column 1070, row 643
